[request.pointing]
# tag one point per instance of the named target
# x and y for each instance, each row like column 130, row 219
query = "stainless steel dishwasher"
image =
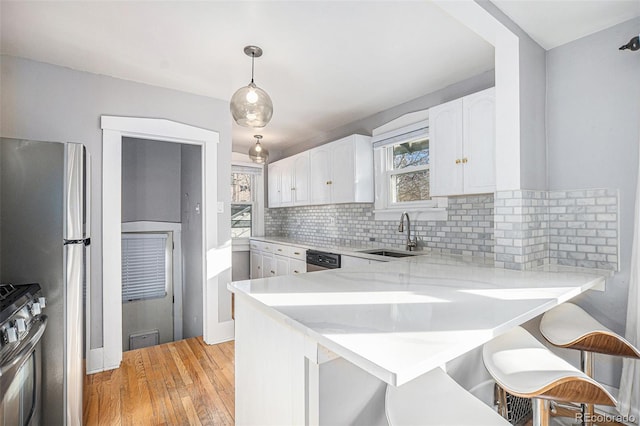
column 321, row 260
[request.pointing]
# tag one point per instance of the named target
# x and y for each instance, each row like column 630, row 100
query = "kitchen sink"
column 390, row 253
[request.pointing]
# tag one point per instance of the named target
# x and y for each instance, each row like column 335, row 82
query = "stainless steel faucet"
column 411, row 244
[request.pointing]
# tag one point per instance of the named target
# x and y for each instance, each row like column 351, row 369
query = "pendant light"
column 250, row 105
column 258, row 153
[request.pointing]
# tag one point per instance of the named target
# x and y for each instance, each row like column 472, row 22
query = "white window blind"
column 144, row 266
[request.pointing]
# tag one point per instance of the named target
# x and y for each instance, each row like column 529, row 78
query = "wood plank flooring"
column 180, row 383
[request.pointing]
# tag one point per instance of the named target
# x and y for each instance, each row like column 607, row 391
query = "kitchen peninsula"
column 320, row 347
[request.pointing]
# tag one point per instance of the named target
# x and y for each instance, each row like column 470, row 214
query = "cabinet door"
column 268, row 265
column 320, row 175
column 256, row 264
column 479, row 135
column 301, row 178
column 281, row 265
column 445, row 149
column 286, row 182
column 273, row 186
column 297, row 266
column 342, row 171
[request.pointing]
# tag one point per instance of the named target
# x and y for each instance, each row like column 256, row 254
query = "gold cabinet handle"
column 464, row 160
column 259, row 267
column 457, row 161
column 279, row 249
column 295, row 252
column 273, row 272
column 296, row 272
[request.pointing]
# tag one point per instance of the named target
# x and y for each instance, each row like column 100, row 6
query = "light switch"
column 220, row 207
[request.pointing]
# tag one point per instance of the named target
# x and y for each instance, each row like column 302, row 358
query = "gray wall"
column 533, row 173
column 191, row 197
column 47, row 102
column 150, row 180
column 367, row 124
column 593, row 121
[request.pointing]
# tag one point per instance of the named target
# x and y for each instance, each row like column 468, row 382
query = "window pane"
column 241, row 184
column 414, row 153
column 144, row 270
column 412, row 186
column 240, row 220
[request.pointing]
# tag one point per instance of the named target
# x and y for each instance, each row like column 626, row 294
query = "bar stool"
column 436, row 399
column 524, row 367
column 569, row 326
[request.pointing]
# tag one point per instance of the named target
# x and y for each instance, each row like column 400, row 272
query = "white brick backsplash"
column 518, row 229
column 468, row 230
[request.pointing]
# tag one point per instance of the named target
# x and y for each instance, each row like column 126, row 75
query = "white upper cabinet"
column 274, row 184
column 342, row 171
column 479, row 130
column 337, row 172
column 289, row 181
column 462, row 145
column 300, row 187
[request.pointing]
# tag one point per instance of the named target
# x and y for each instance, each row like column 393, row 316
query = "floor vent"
column 144, row 339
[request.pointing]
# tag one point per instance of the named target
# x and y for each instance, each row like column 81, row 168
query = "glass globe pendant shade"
column 251, row 106
column 257, row 152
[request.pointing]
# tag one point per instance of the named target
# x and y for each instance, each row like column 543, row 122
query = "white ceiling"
column 325, row 63
column 553, row 23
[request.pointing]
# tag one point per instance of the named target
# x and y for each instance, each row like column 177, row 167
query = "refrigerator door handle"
column 85, row 241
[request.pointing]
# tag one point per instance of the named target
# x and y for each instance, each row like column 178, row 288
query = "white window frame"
column 385, row 207
column 257, row 209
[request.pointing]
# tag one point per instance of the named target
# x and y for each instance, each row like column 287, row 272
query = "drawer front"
column 279, row 249
column 297, row 266
column 297, row 253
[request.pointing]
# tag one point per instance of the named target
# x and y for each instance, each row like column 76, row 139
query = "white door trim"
column 113, row 130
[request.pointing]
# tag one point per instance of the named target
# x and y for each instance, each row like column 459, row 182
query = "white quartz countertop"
column 398, row 320
column 354, row 251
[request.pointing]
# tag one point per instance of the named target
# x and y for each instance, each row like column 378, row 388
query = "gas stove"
column 20, row 307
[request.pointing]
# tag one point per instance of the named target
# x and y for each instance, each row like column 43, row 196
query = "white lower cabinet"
column 297, row 266
column 272, row 259
column 352, row 261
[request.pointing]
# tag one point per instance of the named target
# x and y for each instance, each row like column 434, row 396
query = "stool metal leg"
column 540, row 412
column 587, row 366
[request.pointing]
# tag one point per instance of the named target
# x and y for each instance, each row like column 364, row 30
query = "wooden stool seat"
column 436, row 399
column 569, row 326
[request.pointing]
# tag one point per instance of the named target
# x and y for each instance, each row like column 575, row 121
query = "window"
column 246, row 210
column 402, row 173
column 145, row 265
column 409, row 171
column 242, row 197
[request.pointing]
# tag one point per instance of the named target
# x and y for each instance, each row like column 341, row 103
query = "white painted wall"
column 593, row 128
column 51, row 103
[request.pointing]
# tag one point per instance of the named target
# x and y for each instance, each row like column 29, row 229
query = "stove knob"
column 35, row 309
column 12, row 334
column 43, row 302
column 21, row 325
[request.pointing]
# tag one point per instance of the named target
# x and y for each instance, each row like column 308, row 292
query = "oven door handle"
column 15, row 361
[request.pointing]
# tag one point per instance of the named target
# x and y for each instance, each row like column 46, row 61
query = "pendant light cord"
column 253, row 57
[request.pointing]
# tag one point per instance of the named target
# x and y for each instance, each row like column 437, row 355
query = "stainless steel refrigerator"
column 42, row 239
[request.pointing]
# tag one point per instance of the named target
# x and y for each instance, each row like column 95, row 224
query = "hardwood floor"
column 180, row 383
